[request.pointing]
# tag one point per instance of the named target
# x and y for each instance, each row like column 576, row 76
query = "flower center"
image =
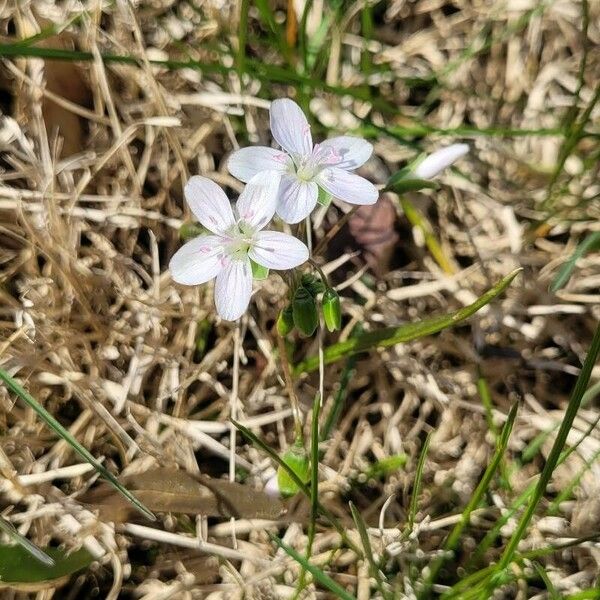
column 309, row 166
column 238, row 240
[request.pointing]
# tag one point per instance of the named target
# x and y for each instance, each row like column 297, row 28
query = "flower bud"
column 285, row 321
column 313, row 284
column 304, row 310
column 297, row 460
column 439, row 160
column 332, row 310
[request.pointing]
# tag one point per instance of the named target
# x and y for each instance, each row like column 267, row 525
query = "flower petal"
column 439, row 160
column 290, row 127
column 233, row 289
column 347, row 186
column 258, row 200
column 297, row 198
column 277, row 250
column 209, row 203
column 247, row 162
column 197, row 261
column 345, row 152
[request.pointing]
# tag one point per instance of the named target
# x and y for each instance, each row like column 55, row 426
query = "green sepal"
column 258, row 271
column 324, row 198
column 404, row 180
column 332, row 310
column 189, row 230
column 304, row 310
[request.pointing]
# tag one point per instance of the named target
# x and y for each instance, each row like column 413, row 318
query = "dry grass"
column 140, row 370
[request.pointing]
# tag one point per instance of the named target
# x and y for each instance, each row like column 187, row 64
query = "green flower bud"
column 405, row 180
column 332, row 310
column 304, row 310
column 297, row 460
column 313, row 284
column 285, row 321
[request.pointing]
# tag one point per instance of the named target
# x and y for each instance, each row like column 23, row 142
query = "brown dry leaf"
column 67, row 80
column 170, row 490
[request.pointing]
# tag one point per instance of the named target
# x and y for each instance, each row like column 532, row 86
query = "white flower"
column 439, row 160
column 234, row 240
column 305, row 168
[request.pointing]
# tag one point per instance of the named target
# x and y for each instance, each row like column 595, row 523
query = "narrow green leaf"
column 29, row 546
column 17, row 570
column 590, row 243
column 51, row 422
column 368, row 551
column 554, row 456
column 454, row 537
column 414, row 501
column 317, row 574
column 390, row 336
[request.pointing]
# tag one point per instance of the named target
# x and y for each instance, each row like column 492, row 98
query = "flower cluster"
column 286, row 181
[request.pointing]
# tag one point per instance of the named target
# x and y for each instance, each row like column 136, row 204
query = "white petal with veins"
column 209, row 203
column 347, row 186
column 297, row 198
column 290, row 127
column 257, row 202
column 277, row 250
column 233, row 289
column 247, row 162
column 197, row 261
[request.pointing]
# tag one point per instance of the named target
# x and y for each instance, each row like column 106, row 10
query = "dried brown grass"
column 97, row 331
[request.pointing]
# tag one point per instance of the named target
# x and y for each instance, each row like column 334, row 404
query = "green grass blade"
column 418, row 221
column 368, row 551
column 554, row 456
column 455, row 535
column 590, row 243
column 17, row 570
column 28, row 546
column 390, row 336
column 317, row 574
column 414, row 501
column 51, row 422
column 314, row 486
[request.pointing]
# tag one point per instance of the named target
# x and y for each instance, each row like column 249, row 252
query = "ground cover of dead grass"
column 94, row 157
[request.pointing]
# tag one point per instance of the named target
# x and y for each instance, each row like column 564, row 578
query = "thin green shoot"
column 51, row 422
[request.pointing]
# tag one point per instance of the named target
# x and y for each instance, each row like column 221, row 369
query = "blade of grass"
column 314, row 487
column 418, row 221
column 368, row 551
column 553, row 458
column 589, row 244
column 317, row 574
column 454, row 538
column 389, row 336
column 30, row 547
column 414, row 501
column 51, row 422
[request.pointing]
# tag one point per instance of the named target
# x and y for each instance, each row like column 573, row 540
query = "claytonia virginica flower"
column 439, row 160
column 236, row 237
column 305, row 167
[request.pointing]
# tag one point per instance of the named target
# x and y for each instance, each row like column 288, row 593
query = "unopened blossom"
column 439, row 160
column 305, row 167
column 236, row 236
